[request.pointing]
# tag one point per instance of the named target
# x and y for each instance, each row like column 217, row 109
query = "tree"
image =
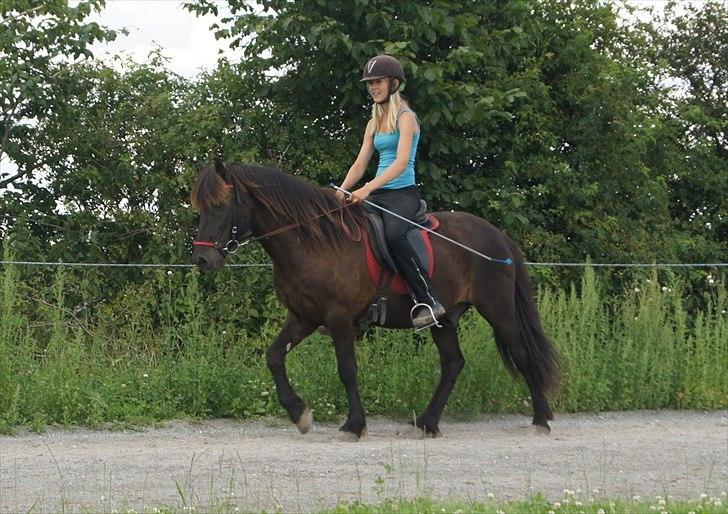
column 38, row 38
column 532, row 113
column 689, row 54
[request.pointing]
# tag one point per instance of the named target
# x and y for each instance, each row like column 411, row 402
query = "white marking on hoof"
column 540, row 430
column 305, row 422
column 346, row 437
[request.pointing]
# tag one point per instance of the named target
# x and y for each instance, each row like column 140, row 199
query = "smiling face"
column 379, row 88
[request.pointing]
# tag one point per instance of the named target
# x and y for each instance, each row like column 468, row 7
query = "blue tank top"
column 386, row 145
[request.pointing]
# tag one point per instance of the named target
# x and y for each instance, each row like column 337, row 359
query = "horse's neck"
column 282, row 247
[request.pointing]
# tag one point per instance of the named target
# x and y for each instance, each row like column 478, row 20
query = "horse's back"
column 461, row 275
column 471, row 231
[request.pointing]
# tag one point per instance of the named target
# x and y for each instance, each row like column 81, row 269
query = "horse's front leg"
column 343, row 334
column 293, row 332
column 451, row 364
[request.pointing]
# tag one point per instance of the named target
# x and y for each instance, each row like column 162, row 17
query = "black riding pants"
column 406, row 203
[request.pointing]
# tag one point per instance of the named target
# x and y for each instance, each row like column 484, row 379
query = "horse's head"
column 226, row 216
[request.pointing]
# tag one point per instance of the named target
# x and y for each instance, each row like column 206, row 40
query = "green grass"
column 180, row 345
column 537, row 505
column 424, row 505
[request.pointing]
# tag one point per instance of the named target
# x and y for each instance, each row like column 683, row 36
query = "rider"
column 395, row 132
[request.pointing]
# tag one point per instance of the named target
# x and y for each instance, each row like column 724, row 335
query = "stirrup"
column 435, row 322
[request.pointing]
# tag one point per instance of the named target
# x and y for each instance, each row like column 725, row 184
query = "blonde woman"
column 394, row 131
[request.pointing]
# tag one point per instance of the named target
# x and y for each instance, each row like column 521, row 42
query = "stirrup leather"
column 434, row 321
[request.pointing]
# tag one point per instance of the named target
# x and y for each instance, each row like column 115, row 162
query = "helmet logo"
column 370, row 67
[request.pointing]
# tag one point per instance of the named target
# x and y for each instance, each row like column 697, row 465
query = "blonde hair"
column 396, row 104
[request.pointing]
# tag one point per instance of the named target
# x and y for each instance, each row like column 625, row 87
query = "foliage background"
column 579, row 134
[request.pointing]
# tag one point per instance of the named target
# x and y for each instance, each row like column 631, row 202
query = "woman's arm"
column 407, row 129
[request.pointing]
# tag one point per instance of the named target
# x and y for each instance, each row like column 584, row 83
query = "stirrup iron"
column 435, row 322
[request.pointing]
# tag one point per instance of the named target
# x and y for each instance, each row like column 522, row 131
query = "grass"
column 537, row 505
column 424, row 505
column 180, row 345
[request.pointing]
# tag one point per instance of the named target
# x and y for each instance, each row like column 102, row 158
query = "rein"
column 233, row 244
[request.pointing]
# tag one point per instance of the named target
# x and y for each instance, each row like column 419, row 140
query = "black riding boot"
column 427, row 309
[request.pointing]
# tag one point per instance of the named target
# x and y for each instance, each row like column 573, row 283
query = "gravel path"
column 267, row 465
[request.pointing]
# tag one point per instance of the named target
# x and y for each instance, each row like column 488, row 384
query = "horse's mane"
column 315, row 210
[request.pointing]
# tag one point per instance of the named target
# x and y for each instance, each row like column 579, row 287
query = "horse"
column 320, row 274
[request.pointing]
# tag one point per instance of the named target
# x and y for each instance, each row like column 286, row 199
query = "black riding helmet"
column 383, row 66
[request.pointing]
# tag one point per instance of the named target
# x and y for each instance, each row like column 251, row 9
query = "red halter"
column 233, row 238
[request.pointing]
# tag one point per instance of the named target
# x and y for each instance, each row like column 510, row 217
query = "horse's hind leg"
column 502, row 317
column 451, row 363
column 293, row 332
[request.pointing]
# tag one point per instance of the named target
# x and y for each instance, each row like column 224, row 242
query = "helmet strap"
column 391, row 89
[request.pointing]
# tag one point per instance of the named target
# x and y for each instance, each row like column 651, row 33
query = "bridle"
column 234, row 243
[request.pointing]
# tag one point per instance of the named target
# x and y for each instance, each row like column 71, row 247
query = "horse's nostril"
column 199, row 261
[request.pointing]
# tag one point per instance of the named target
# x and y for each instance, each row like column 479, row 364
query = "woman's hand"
column 341, row 196
column 359, row 195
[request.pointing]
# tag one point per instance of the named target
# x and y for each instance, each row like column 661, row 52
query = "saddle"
column 380, row 263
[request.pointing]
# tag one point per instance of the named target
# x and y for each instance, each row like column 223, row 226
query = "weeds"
column 159, row 351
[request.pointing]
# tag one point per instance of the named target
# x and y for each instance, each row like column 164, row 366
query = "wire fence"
column 269, row 265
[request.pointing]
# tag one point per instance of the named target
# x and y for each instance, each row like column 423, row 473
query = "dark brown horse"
column 320, row 274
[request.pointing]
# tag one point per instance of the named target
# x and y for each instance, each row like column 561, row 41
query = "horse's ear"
column 220, row 168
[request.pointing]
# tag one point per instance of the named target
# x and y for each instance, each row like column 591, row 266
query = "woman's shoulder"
column 406, row 109
column 406, row 113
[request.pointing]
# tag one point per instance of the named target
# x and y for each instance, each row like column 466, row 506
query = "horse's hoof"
column 541, row 429
column 413, row 432
column 344, row 436
column 305, row 421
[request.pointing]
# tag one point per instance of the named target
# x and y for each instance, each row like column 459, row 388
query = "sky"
column 185, row 38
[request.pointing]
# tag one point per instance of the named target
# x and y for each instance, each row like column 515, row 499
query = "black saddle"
column 375, row 227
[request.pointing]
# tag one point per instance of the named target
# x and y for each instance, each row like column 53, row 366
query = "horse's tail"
column 542, row 355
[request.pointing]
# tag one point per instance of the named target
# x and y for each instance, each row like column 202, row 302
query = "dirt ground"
column 268, row 465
